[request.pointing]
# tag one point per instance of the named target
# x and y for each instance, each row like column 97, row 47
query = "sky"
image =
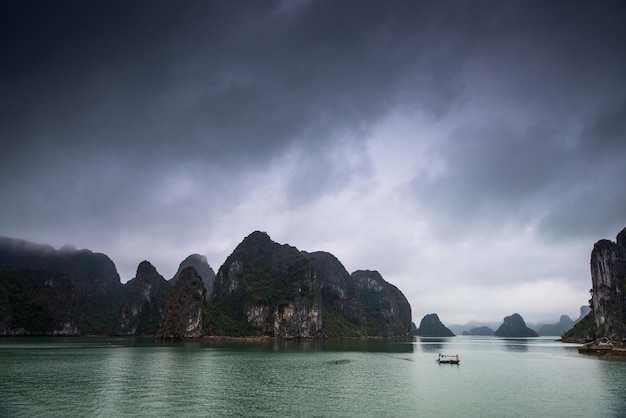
column 472, row 152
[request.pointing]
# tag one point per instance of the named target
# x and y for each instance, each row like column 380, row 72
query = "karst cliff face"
column 265, row 288
column 386, row 312
column 342, row 311
column 142, row 309
column 608, row 279
column 39, row 303
column 99, row 287
column 186, row 308
column 262, row 289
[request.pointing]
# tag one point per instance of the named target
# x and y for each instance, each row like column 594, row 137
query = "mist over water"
column 140, row 377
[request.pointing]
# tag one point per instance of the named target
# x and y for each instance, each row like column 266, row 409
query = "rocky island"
column 431, row 326
column 263, row 289
column 604, row 328
column 514, row 326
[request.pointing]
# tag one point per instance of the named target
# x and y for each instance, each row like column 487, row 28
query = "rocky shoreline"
column 608, row 348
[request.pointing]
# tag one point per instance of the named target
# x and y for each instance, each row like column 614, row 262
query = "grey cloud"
column 123, row 120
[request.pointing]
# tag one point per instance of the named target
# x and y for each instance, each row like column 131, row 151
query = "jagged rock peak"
column 514, row 326
column 146, row 269
column 186, row 309
column 201, row 264
column 140, row 312
column 275, row 290
column 431, row 326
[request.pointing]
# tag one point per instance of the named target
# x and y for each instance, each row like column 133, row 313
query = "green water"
column 139, row 377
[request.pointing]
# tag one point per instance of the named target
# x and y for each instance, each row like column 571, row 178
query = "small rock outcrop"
column 431, row 326
column 186, row 308
column 514, row 326
column 38, row 303
column 142, row 309
column 200, row 263
column 484, row 331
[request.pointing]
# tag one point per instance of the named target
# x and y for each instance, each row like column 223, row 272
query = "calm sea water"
column 139, row 377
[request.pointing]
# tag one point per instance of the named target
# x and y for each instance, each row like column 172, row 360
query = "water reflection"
column 432, row 345
column 376, row 345
column 518, row 345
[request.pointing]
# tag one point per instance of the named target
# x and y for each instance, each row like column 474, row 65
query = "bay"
column 141, row 377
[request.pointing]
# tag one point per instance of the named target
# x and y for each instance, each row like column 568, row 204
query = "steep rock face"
column 200, row 263
column 514, row 326
column 38, row 303
column 94, row 274
column 431, row 326
column 386, row 312
column 142, row 309
column 186, row 309
column 608, row 279
column 265, row 288
column 340, row 303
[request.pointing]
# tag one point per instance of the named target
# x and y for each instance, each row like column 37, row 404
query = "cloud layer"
column 472, row 152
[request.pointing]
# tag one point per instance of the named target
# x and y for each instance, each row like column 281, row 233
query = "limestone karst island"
column 263, row 289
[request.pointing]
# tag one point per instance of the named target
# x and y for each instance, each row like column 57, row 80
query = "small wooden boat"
column 446, row 359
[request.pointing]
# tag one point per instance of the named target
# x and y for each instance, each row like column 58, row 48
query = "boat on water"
column 446, row 359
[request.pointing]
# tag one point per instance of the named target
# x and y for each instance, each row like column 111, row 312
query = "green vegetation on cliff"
column 277, row 290
column 186, row 308
column 584, row 330
column 38, row 303
column 94, row 274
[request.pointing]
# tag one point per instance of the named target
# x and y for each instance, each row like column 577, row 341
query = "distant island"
column 514, row 326
column 264, row 289
column 431, row 326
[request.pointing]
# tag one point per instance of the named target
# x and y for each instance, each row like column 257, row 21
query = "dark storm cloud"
column 101, row 98
column 229, row 79
column 543, row 136
column 160, row 129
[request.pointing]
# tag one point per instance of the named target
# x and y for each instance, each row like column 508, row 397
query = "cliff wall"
column 186, row 308
column 265, row 288
column 38, row 303
column 608, row 279
column 94, row 274
column 143, row 308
